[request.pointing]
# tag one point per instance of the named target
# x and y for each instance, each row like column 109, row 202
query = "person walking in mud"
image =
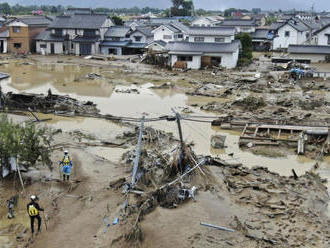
column 66, row 165
column 33, row 209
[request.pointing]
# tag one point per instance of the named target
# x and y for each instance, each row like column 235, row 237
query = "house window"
column 89, row 33
column 17, row 45
column 71, row 45
column 43, row 46
column 185, row 58
column 180, row 36
column 58, row 32
column 287, row 34
column 137, row 38
column 199, row 39
column 167, row 37
column 328, row 39
column 16, row 29
column 219, row 39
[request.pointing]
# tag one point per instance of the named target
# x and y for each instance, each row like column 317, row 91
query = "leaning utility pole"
column 182, row 153
column 137, row 156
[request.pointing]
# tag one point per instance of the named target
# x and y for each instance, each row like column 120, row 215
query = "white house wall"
column 107, row 24
column 5, row 45
column 201, row 22
column 211, row 39
column 138, row 33
column 58, row 47
column 296, row 38
column 161, row 31
column 194, row 64
column 322, row 38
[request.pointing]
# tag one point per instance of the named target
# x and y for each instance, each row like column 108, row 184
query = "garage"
column 85, row 48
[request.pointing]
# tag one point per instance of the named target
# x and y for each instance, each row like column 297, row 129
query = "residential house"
column 291, row 32
column 196, row 55
column 23, row 30
column 241, row 25
column 157, row 46
column 262, row 40
column 4, row 35
column 207, row 21
column 77, row 33
column 314, row 53
column 210, row 34
column 121, row 40
column 168, row 32
column 323, row 36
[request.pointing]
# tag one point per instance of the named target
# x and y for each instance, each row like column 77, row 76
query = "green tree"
column 182, row 8
column 28, row 143
column 117, row 20
column 5, row 9
column 245, row 56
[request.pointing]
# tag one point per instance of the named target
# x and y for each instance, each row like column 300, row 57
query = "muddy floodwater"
column 119, row 94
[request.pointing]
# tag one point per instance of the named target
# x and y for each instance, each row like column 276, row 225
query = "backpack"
column 33, row 211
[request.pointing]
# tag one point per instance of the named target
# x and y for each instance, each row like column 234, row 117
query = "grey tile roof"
column 144, row 30
column 79, row 21
column 38, row 20
column 162, row 20
column 323, row 28
column 115, row 43
column 117, row 31
column 211, row 31
column 296, row 24
column 309, row 49
column 172, row 28
column 46, row 36
column 238, row 22
column 196, row 47
column 261, row 34
column 180, row 26
column 159, row 42
column 85, row 39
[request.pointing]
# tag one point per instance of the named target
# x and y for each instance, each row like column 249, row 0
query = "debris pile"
column 48, row 104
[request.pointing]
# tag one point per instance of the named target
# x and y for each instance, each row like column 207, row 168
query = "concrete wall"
column 5, row 45
column 295, row 38
column 315, row 58
column 322, row 38
column 105, row 50
column 58, row 47
column 194, row 64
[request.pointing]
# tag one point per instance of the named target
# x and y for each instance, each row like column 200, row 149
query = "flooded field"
column 133, row 91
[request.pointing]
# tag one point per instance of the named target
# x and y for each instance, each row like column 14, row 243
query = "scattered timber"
column 217, row 227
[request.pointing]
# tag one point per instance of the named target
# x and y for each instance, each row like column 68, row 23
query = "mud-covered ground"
column 264, row 208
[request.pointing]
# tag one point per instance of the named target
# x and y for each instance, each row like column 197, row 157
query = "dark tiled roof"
column 159, row 42
column 79, row 21
column 39, row 20
column 172, row 28
column 296, row 24
column 46, row 36
column 211, row 31
column 309, row 49
column 323, row 28
column 262, row 34
column 117, row 31
column 180, row 26
column 115, row 43
column 85, row 39
column 144, row 30
column 196, row 47
column 238, row 22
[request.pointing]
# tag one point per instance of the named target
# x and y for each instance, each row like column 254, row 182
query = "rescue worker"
column 33, row 209
column 66, row 165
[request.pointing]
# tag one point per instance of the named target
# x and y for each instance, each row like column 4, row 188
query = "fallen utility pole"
column 138, row 151
column 181, row 157
column 217, row 227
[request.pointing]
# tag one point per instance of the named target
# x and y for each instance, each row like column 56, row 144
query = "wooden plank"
column 255, row 132
column 279, row 133
column 246, row 125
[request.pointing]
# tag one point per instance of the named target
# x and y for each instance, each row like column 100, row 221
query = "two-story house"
column 291, row 32
column 323, row 36
column 207, row 21
column 22, row 32
column 205, row 47
column 241, row 25
column 77, row 33
column 168, row 32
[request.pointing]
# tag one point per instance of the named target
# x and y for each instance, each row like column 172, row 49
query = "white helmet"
column 66, row 152
column 33, row 197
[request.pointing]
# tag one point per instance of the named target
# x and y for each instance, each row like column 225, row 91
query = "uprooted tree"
column 28, row 143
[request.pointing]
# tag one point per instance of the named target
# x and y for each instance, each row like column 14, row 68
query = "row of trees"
column 28, row 143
